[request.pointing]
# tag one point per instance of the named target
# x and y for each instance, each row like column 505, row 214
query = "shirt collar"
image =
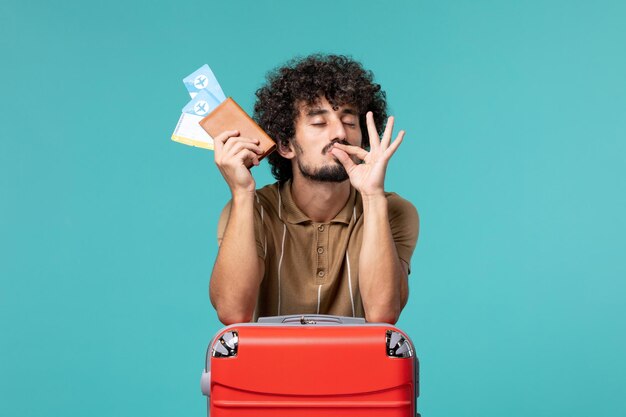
column 292, row 214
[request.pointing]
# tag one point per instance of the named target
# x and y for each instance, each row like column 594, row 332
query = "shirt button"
column 320, row 250
column 321, row 228
column 320, row 274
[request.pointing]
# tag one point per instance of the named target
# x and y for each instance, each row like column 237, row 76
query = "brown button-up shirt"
column 313, row 268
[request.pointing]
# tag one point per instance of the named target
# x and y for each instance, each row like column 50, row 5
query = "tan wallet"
column 229, row 116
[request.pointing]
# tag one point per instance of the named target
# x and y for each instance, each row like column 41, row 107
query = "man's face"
column 318, row 127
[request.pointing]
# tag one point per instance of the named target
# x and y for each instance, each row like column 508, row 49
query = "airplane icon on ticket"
column 203, row 79
column 201, row 108
column 200, row 82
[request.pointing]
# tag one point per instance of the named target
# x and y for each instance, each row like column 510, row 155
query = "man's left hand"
column 368, row 176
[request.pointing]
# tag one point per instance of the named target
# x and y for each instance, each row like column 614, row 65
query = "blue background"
column 515, row 158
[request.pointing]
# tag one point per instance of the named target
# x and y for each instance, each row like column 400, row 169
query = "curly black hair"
column 341, row 80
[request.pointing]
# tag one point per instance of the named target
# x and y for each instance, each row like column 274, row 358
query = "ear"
column 286, row 151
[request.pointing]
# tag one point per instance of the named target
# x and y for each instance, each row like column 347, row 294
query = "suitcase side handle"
column 305, row 319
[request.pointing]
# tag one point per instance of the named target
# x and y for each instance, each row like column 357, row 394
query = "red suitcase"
column 311, row 365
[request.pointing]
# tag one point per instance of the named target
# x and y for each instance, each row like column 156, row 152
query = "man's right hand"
column 238, row 269
column 234, row 156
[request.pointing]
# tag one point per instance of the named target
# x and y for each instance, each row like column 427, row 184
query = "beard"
column 327, row 173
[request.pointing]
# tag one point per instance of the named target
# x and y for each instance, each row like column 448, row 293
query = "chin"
column 327, row 173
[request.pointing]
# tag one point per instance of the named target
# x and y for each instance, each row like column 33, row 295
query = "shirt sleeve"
column 404, row 222
column 259, row 232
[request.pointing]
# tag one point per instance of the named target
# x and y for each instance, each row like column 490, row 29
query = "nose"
column 338, row 130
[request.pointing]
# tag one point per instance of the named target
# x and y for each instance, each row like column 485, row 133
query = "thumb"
column 343, row 158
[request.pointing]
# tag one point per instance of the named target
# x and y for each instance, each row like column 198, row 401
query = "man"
column 325, row 238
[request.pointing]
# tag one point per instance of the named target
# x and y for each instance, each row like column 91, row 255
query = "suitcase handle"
column 305, row 319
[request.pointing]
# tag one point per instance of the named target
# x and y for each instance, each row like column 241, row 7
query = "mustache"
column 328, row 147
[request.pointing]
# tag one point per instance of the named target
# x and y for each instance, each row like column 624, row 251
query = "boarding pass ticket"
column 206, row 94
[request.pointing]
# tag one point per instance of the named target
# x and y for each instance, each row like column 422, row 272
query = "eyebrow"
column 318, row 111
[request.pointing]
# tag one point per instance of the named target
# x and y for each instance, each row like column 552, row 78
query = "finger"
column 239, row 139
column 219, row 140
column 352, row 150
column 371, row 130
column 247, row 158
column 394, row 146
column 228, row 156
column 235, row 148
column 224, row 136
column 343, row 158
column 384, row 143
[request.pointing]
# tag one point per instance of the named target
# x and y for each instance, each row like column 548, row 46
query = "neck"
column 320, row 201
